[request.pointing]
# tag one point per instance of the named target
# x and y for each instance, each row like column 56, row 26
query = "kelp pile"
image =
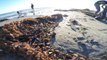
column 39, row 52
column 32, row 38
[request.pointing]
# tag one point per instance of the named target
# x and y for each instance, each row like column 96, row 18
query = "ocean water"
column 27, row 12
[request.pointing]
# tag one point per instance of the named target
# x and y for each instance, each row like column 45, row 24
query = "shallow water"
column 27, row 12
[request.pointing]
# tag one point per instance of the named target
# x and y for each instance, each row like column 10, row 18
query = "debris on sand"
column 31, row 39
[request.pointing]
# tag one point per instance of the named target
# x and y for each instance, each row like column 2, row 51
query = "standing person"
column 18, row 14
column 32, row 7
column 98, row 8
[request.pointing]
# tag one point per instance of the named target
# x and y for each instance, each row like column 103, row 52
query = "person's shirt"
column 102, row 0
column 32, row 6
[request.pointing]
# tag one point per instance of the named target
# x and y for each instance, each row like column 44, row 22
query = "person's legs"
column 33, row 11
column 104, row 13
column 97, row 6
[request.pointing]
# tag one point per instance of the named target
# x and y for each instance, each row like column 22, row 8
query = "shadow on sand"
column 105, row 22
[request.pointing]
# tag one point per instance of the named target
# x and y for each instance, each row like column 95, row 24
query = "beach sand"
column 96, row 31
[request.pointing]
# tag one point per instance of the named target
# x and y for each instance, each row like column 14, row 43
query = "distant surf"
column 27, row 12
